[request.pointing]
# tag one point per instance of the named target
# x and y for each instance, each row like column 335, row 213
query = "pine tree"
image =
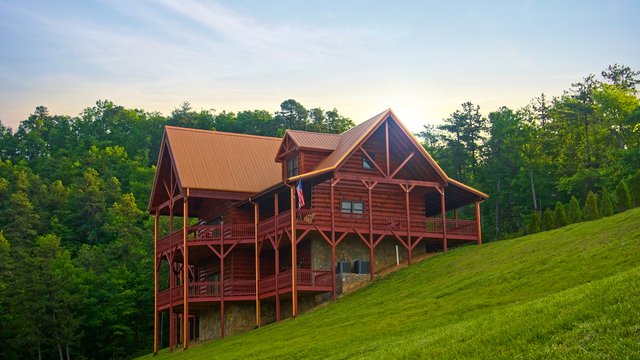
column 606, row 207
column 591, row 207
column 575, row 215
column 560, row 216
column 623, row 197
column 547, row 220
column 534, row 223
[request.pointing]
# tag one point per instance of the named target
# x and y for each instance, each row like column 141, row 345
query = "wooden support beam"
column 407, row 190
column 334, row 182
column 404, row 162
column 256, row 215
column 444, row 222
column 371, row 267
column 386, row 136
column 222, row 287
column 155, row 283
column 277, row 253
column 478, row 223
column 376, row 179
column 373, row 162
column 185, row 271
column 172, row 325
column 294, row 256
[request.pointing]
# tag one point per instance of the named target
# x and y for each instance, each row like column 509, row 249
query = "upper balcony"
column 321, row 219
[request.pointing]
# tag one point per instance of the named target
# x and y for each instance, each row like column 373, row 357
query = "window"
column 292, row 166
column 353, row 207
column 366, row 164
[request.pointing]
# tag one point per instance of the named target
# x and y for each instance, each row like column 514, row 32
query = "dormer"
column 301, row 151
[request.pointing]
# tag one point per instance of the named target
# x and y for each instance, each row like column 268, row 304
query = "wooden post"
column 333, row 242
column 444, row 222
column 256, row 215
column 294, row 257
column 371, row 267
column 478, row 224
column 406, row 198
column 155, row 283
column 222, row 257
column 185, row 270
column 172, row 325
column 276, row 249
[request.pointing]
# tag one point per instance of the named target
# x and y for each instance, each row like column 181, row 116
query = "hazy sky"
column 421, row 58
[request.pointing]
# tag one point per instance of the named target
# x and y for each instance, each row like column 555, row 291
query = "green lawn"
column 568, row 293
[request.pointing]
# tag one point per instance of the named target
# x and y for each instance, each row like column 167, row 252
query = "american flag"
column 300, row 195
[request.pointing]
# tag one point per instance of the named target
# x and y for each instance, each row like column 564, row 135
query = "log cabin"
column 267, row 227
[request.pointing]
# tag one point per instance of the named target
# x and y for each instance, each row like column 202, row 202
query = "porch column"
column 371, row 266
column 406, row 198
column 444, row 222
column 276, row 249
column 185, row 270
column 256, row 215
column 155, row 283
column 222, row 257
column 478, row 224
column 333, row 241
column 294, row 257
column 172, row 280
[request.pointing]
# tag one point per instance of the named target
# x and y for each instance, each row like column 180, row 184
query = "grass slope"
column 568, row 293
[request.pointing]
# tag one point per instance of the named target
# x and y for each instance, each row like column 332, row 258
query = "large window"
column 366, row 164
column 292, row 166
column 352, row 207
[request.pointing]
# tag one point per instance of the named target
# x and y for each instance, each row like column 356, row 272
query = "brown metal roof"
column 313, row 140
column 212, row 160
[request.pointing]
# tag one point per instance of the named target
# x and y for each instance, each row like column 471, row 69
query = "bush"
column 560, row 216
column 547, row 220
column 534, row 223
column 575, row 215
column 623, row 197
column 591, row 207
column 606, row 207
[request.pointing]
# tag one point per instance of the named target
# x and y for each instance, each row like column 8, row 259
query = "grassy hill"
column 567, row 293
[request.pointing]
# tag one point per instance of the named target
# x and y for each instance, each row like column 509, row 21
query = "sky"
column 420, row 58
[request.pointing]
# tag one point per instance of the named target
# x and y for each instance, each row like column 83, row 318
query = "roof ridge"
column 216, row 132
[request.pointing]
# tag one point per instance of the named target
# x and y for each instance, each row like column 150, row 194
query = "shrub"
column 560, row 216
column 534, row 222
column 575, row 215
column 623, row 197
column 591, row 207
column 547, row 220
column 606, row 207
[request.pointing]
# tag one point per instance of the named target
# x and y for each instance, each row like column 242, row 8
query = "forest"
column 76, row 239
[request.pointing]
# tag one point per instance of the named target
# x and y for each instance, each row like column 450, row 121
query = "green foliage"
column 591, row 211
column 560, row 216
column 547, row 220
column 567, row 293
column 534, row 223
column 623, row 197
column 606, row 207
column 575, row 214
column 635, row 189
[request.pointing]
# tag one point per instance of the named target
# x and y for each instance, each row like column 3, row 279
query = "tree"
column 547, row 220
column 336, row 123
column 621, row 76
column 292, row 115
column 575, row 214
column 560, row 216
column 606, row 207
column 534, row 222
column 623, row 197
column 21, row 221
column 635, row 189
column 591, row 207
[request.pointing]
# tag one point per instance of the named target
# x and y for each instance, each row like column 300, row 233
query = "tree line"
column 536, row 158
column 76, row 243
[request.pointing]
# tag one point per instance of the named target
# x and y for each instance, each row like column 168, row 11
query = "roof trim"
column 468, row 188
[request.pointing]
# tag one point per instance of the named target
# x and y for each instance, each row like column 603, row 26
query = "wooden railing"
column 305, row 277
column 306, row 217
